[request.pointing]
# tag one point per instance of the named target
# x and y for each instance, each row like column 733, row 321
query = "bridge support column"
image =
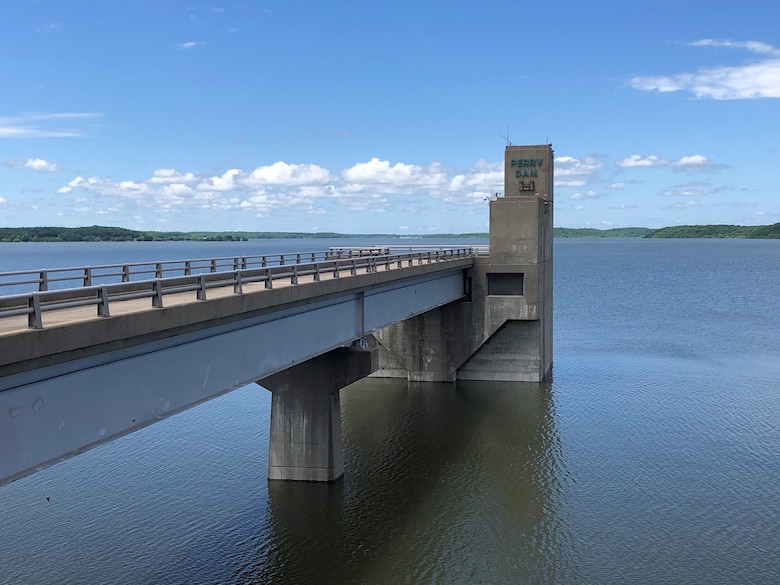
column 305, row 442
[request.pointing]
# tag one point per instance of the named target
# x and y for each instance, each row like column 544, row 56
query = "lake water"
column 652, row 456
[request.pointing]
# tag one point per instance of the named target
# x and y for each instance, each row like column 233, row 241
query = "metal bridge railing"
column 198, row 276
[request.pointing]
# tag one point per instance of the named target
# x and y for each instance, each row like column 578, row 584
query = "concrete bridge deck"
column 72, row 377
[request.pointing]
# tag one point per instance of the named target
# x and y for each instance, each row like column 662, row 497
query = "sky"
column 384, row 117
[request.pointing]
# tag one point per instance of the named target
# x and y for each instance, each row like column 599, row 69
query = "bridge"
column 95, row 352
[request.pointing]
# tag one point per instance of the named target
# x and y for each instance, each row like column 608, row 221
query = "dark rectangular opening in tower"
column 505, row 284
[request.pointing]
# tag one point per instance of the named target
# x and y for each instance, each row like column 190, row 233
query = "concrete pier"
column 305, row 442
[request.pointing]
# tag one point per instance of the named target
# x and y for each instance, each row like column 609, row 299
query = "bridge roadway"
column 71, row 379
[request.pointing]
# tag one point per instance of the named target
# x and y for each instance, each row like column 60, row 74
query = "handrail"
column 242, row 271
column 125, row 272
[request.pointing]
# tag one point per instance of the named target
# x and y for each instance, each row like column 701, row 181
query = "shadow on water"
column 444, row 483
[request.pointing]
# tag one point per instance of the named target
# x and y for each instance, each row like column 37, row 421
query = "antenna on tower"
column 508, row 142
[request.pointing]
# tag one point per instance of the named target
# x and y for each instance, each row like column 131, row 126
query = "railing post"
column 313, row 257
column 353, row 270
column 316, row 273
column 158, row 271
column 125, row 273
column 235, row 263
column 264, row 262
column 87, row 276
column 201, row 280
column 297, row 258
column 187, row 268
column 281, row 260
column 102, row 308
column 336, row 267
column 294, row 279
column 243, row 263
column 269, row 281
column 237, row 284
column 213, row 265
column 43, row 281
column 34, row 320
column 157, row 301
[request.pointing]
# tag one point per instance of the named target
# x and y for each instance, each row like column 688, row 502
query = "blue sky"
column 367, row 116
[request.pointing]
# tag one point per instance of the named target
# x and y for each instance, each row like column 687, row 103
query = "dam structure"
column 502, row 329
column 91, row 353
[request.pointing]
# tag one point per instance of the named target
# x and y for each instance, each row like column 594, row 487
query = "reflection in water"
column 443, row 482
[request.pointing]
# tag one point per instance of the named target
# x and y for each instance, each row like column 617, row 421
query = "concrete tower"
column 502, row 329
column 518, row 276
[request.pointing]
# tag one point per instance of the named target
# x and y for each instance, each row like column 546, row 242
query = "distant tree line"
column 60, row 234
column 97, row 233
column 629, row 232
column 718, row 231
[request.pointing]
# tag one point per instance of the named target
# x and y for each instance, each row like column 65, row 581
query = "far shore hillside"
column 116, row 234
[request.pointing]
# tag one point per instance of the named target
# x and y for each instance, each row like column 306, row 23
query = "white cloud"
column 693, row 160
column 692, row 189
column 573, row 172
column 190, row 45
column 589, row 194
column 129, row 189
column 753, row 46
column 482, row 180
column 42, row 125
column 34, row 164
column 380, row 172
column 40, row 165
column 759, row 78
column 2, row 200
column 685, row 204
column 616, row 185
column 225, row 182
column 171, row 176
column 636, row 160
column 281, row 173
column 689, row 163
column 375, row 185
